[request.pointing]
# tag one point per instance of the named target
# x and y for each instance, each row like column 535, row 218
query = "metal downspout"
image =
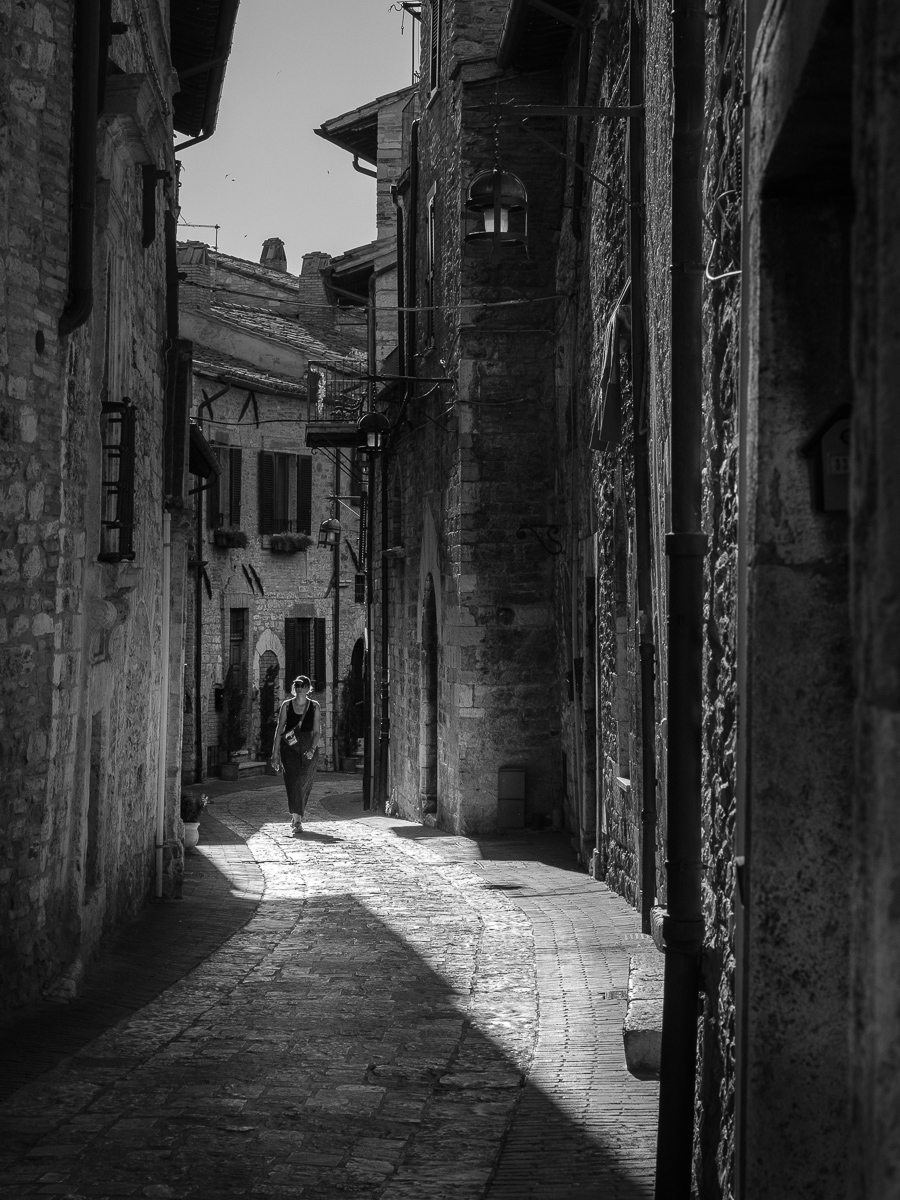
column 743, row 793
column 369, row 736
column 86, row 92
column 163, row 740
column 642, row 499
column 336, row 623
column 685, row 548
column 385, row 733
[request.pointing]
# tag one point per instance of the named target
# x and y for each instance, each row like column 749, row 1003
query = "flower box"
column 289, row 543
column 232, row 537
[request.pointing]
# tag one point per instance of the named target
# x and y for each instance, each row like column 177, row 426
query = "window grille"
column 117, row 482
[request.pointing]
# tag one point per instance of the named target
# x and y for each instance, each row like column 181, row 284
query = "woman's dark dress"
column 299, row 771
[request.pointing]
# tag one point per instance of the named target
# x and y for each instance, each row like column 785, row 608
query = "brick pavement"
column 377, row 997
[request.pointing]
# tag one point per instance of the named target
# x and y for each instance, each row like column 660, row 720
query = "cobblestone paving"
column 404, row 1015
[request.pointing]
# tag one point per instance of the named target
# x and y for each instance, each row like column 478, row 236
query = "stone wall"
column 81, row 639
column 474, row 465
column 271, row 586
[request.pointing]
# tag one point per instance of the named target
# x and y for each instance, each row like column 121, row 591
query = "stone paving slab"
column 399, row 1016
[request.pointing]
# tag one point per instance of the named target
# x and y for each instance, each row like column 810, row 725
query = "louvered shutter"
column 266, row 492
column 213, row 507
column 319, row 653
column 291, row 650
column 434, row 62
column 235, row 459
column 304, row 493
column 305, row 647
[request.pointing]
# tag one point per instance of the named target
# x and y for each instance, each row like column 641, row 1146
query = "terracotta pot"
column 191, row 835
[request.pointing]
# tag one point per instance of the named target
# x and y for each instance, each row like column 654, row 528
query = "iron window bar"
column 117, row 482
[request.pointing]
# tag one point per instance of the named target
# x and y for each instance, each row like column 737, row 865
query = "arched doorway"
column 268, row 702
column 428, row 718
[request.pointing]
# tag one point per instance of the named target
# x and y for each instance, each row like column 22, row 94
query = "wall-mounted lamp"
column 552, row 545
column 329, row 533
column 497, row 209
column 374, row 429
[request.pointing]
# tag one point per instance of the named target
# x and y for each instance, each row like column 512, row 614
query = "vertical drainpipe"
column 198, row 645
column 743, row 792
column 643, row 529
column 86, row 91
column 162, row 742
column 385, row 734
column 685, row 548
column 369, row 736
column 336, row 622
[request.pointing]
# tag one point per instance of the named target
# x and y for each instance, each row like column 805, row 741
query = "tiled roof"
column 225, row 369
column 285, row 330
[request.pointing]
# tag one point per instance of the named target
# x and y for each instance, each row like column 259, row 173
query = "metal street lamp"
column 374, row 429
column 329, row 533
column 497, row 209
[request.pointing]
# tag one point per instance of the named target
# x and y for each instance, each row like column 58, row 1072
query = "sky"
column 264, row 173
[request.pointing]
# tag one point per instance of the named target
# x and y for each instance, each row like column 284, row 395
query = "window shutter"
column 213, row 507
column 434, row 61
column 305, row 647
column 291, row 641
column 319, row 653
column 235, row 459
column 304, row 493
column 266, row 492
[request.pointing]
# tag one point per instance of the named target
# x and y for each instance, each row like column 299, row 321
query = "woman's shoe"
column 296, row 824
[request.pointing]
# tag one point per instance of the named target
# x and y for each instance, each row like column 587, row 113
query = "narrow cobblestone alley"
column 374, row 1009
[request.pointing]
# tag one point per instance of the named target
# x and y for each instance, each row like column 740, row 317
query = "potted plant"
column 192, row 805
column 231, row 737
column 289, row 543
column 232, row 536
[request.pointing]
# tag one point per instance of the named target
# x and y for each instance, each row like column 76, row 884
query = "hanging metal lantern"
column 374, row 429
column 497, row 209
column 329, row 533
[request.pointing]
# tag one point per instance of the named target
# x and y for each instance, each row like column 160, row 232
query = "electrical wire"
column 389, row 308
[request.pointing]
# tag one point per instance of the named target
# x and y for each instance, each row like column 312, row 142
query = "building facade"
column 265, row 605
column 95, row 463
column 637, row 472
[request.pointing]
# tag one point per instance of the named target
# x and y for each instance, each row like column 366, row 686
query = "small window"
column 117, row 482
column 285, row 493
column 430, row 264
column 359, row 588
column 397, row 511
column 434, row 53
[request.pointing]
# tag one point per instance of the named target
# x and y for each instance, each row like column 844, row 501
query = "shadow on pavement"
column 168, row 940
column 347, row 1033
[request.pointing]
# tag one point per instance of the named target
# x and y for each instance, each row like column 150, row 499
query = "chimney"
column 309, row 285
column 273, row 254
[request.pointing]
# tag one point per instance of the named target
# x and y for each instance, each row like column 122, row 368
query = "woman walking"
column 296, row 747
